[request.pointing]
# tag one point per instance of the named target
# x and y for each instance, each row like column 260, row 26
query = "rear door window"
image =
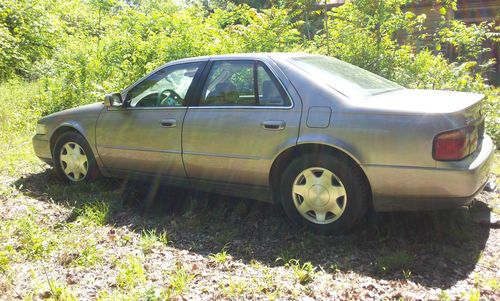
column 242, row 83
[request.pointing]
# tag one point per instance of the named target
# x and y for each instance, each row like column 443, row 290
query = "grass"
column 224, row 237
column 151, row 239
column 117, row 295
column 178, row 282
column 80, row 244
column 220, row 257
column 130, row 273
column 495, row 200
column 5, row 258
column 233, row 289
column 472, row 295
column 89, row 257
column 303, row 273
column 60, row 292
column 443, row 296
column 18, row 118
column 493, row 284
column 294, row 250
column 31, row 239
column 496, row 166
column 397, row 261
column 95, row 213
column 289, row 252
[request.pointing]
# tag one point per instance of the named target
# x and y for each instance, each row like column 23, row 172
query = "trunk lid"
column 424, row 102
column 464, row 107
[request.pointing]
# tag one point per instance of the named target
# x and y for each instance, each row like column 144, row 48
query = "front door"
column 243, row 119
column 145, row 134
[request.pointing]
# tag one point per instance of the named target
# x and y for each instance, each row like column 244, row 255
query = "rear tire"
column 323, row 192
column 73, row 159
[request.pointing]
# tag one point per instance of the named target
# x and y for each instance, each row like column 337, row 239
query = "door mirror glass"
column 113, row 100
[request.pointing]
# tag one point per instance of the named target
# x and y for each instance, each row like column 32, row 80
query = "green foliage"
column 365, row 34
column 492, row 113
column 94, row 212
column 17, row 115
column 473, row 295
column 60, row 293
column 33, row 241
column 131, row 40
column 151, row 239
column 233, row 289
column 303, row 273
column 443, row 296
column 130, row 273
column 28, row 33
column 7, row 253
column 467, row 40
column 221, row 257
column 179, row 281
column 382, row 37
column 80, row 50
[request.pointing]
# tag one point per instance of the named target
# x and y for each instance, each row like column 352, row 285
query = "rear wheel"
column 323, row 192
column 73, row 158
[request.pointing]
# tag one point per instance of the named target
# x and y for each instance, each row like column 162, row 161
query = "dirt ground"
column 217, row 247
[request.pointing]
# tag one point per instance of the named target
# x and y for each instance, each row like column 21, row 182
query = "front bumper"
column 41, row 145
column 448, row 185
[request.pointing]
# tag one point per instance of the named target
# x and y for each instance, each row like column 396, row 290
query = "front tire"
column 73, row 159
column 324, row 192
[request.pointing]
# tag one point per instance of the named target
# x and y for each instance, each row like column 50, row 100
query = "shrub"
column 80, row 50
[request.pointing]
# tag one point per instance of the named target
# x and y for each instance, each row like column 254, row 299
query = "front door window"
column 167, row 87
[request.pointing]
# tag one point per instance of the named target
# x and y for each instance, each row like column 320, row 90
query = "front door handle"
column 168, row 123
column 273, row 125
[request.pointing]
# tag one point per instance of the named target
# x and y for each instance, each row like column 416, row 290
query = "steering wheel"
column 170, row 99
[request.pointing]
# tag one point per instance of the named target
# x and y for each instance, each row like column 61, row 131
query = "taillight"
column 452, row 145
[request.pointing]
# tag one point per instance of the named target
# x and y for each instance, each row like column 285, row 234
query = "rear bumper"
column 448, row 185
column 423, row 204
column 41, row 146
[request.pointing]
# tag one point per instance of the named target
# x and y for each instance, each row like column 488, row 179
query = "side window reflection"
column 165, row 88
column 242, row 83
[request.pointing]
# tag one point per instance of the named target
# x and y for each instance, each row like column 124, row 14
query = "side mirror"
column 113, row 100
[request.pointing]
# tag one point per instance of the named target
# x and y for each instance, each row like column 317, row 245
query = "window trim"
column 256, row 83
column 204, row 78
column 191, row 92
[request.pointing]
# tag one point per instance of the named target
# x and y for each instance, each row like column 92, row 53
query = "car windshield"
column 348, row 79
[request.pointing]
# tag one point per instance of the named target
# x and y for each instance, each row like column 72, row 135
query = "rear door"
column 242, row 120
column 145, row 135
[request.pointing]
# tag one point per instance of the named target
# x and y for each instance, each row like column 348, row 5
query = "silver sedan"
column 325, row 139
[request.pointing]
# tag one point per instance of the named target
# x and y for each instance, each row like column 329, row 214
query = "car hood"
column 413, row 101
column 90, row 109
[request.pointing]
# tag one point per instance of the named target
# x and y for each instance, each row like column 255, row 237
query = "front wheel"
column 73, row 158
column 324, row 192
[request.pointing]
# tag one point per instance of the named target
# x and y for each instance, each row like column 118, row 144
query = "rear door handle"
column 168, row 123
column 274, row 125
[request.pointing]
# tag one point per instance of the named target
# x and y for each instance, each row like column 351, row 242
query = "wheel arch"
column 286, row 156
column 59, row 131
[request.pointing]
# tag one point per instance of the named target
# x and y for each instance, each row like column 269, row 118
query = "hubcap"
column 319, row 195
column 73, row 161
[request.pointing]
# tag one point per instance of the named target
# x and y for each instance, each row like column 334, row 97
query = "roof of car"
column 258, row 55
